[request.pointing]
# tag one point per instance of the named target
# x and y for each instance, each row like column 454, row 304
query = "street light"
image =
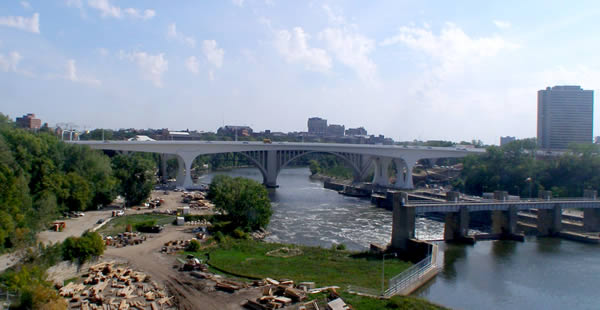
column 383, row 270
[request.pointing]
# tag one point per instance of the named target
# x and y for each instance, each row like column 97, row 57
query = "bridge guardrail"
column 401, row 282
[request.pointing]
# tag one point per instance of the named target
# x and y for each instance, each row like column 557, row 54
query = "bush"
column 82, row 249
column 145, row 226
column 239, row 234
column 194, row 246
column 219, row 236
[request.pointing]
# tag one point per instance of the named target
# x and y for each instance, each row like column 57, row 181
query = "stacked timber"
column 276, row 294
column 110, row 287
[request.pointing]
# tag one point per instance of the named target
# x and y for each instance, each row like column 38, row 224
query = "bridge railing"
column 400, row 283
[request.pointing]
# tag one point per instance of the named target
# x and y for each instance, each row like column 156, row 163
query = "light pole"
column 383, row 271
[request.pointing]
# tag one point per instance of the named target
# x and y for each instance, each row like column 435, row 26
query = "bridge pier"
column 270, row 177
column 549, row 221
column 591, row 216
column 505, row 222
column 184, row 170
column 381, row 177
column 403, row 221
column 163, row 167
column 456, row 227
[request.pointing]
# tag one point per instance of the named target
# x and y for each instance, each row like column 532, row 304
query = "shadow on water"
column 453, row 254
column 503, row 250
column 548, row 245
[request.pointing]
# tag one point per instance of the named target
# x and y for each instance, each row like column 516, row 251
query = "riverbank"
column 249, row 259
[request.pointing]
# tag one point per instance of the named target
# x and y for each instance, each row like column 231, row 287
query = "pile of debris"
column 279, row 294
column 197, row 200
column 175, row 246
column 108, row 287
column 259, row 234
column 124, row 239
column 154, row 202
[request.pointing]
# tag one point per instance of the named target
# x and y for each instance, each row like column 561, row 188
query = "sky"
column 425, row 70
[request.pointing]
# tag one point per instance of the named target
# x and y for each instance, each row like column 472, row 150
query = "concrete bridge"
column 270, row 158
column 503, row 214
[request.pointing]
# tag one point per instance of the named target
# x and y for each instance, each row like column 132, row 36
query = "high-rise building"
column 317, row 126
column 29, row 121
column 360, row 131
column 506, row 140
column 334, row 130
column 565, row 116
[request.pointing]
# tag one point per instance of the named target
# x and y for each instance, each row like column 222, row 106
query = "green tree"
column 135, row 175
column 314, row 167
column 244, row 202
column 82, row 249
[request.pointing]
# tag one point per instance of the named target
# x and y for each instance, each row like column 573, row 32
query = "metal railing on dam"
column 495, row 205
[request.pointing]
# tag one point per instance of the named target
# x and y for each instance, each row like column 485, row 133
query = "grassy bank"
column 119, row 224
column 324, row 266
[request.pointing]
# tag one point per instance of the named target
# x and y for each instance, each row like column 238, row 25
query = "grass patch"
column 396, row 302
column 118, row 225
column 324, row 266
column 67, row 281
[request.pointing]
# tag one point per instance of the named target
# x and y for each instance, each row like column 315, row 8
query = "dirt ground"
column 190, row 293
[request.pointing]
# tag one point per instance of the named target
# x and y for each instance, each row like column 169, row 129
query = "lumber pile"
column 110, row 287
column 277, row 294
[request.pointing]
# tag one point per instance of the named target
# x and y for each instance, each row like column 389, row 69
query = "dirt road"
column 190, row 293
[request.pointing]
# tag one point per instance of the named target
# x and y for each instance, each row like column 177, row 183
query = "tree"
column 135, row 175
column 244, row 202
column 84, row 248
column 314, row 167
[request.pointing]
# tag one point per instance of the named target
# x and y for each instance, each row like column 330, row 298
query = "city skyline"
column 426, row 71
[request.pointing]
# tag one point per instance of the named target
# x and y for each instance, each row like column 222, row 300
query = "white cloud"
column 74, row 3
column 213, row 54
column 211, row 75
column 109, row 10
column 335, row 18
column 10, row 62
column 293, row 46
column 502, row 24
column 26, row 5
column 192, row 64
column 351, row 49
column 239, row 3
column 103, row 51
column 452, row 50
column 172, row 33
column 23, row 23
column 72, row 75
column 152, row 67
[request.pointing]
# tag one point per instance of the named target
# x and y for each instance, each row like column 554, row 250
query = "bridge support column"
column 549, row 221
column 180, row 171
column 270, row 178
column 505, row 222
column 403, row 221
column 456, row 226
column 381, row 177
column 184, row 172
column 163, row 167
column 591, row 216
column 408, row 179
column 400, row 174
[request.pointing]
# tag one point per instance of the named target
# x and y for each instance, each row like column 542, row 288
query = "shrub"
column 194, row 246
column 82, row 249
column 239, row 234
column 145, row 226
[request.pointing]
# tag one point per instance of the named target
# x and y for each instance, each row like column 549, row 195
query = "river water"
column 539, row 273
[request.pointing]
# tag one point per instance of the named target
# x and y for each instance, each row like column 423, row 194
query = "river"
column 540, row 273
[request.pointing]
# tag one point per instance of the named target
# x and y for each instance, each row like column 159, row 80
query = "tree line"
column 518, row 168
column 43, row 178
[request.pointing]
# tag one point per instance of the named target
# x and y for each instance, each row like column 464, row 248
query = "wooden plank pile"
column 276, row 294
column 108, row 287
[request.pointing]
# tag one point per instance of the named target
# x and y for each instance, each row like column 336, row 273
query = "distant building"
column 334, row 130
column 179, row 135
column 506, row 140
column 360, row 131
column 565, row 116
column 29, row 121
column 240, row 131
column 317, row 126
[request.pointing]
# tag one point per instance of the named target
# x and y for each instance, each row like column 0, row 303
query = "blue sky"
column 457, row 70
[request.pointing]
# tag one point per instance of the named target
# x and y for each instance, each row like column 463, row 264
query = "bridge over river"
column 270, row 158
